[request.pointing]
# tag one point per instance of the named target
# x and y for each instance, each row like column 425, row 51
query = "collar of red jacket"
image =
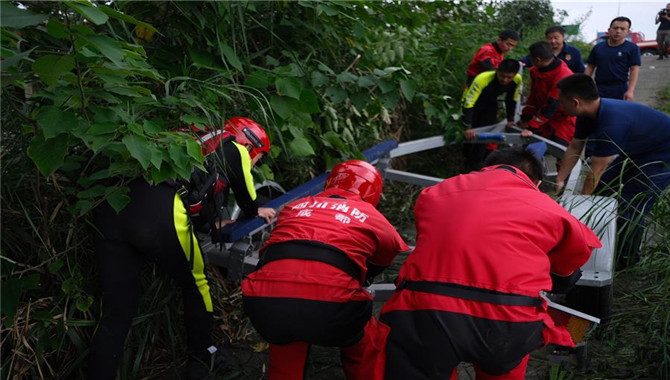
column 339, row 193
column 512, row 170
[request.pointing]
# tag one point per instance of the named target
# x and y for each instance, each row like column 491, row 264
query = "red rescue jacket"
column 492, row 230
column 543, row 91
column 335, row 218
column 488, row 51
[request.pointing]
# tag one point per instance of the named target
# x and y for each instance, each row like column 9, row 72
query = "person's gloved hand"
column 563, row 284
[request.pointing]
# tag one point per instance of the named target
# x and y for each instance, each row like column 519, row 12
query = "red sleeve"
column 390, row 245
column 486, row 52
column 574, row 249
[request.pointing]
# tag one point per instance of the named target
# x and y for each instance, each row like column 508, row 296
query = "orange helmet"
column 358, row 177
column 249, row 133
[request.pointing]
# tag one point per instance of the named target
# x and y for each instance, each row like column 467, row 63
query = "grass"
column 664, row 103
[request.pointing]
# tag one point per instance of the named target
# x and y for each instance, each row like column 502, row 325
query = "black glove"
column 373, row 271
column 563, row 284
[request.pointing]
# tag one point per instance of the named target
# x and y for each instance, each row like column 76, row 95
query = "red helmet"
column 248, row 132
column 358, row 177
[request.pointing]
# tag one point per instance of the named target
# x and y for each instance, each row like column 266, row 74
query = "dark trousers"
column 291, row 325
column 612, row 91
column 152, row 227
column 663, row 41
column 429, row 344
column 641, row 188
column 475, row 154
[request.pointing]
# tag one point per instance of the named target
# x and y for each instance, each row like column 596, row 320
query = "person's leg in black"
column 485, row 114
column 639, row 193
column 179, row 254
column 418, row 346
column 120, row 267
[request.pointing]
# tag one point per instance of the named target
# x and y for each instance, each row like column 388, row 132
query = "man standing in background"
column 617, row 62
column 489, row 56
column 572, row 56
column 663, row 32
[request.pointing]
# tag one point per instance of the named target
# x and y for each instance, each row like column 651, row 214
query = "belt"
column 311, row 250
column 470, row 293
column 610, row 83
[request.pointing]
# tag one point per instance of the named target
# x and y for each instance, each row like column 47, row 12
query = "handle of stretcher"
column 490, row 136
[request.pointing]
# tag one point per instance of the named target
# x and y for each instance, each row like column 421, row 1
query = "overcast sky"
column 641, row 13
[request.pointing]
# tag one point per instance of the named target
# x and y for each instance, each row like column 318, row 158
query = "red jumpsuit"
column 300, row 297
column 542, row 111
column 488, row 57
column 489, row 240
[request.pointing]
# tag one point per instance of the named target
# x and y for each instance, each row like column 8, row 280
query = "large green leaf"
column 346, row 77
column 201, row 57
column 54, row 121
column 259, row 79
column 137, row 146
column 194, row 150
column 163, row 173
column 284, row 106
column 122, row 16
column 408, row 89
column 97, row 142
column 89, row 11
column 92, row 192
column 57, row 29
column 11, row 58
column 179, row 157
column 309, row 103
column 151, row 126
column 290, row 87
column 13, row 17
column 118, row 197
column 107, row 46
column 301, row 147
column 335, row 141
column 103, row 128
column 367, row 81
column 319, row 79
column 230, row 55
column 336, row 94
column 386, row 85
column 49, row 154
column 51, row 67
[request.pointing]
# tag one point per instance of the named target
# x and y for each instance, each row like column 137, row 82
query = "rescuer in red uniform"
column 487, row 243
column 542, row 113
column 489, row 56
column 308, row 286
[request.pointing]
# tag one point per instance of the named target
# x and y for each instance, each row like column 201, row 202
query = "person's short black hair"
column 555, row 29
column 579, row 85
column 541, row 50
column 509, row 65
column 622, row 18
column 507, row 34
column 520, row 158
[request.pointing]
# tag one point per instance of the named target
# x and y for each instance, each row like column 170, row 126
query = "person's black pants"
column 429, row 344
column 485, row 113
column 154, row 227
column 637, row 189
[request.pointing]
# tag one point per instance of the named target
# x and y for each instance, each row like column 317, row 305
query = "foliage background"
column 92, row 95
